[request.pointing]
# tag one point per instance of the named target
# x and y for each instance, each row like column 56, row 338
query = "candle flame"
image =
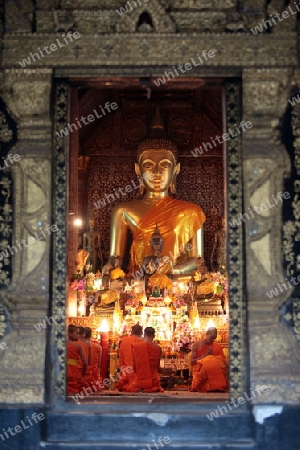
column 197, row 323
column 104, row 326
column 210, row 324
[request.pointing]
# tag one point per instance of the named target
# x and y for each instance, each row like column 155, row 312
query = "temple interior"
column 101, row 161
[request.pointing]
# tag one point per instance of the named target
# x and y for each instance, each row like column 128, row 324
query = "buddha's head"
column 201, row 266
column 157, row 164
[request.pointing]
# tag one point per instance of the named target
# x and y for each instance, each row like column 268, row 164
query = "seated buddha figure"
column 203, row 279
column 179, row 221
column 157, row 262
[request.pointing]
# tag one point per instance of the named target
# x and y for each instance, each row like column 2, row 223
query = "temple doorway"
column 107, row 121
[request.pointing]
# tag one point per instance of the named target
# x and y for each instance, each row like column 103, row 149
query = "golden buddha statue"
column 180, row 221
column 157, row 263
column 218, row 253
column 92, row 243
column 203, row 279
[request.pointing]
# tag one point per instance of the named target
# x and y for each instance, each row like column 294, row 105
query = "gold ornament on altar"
column 109, row 297
column 117, row 273
column 160, row 280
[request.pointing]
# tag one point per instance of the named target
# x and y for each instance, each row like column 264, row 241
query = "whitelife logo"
column 53, row 47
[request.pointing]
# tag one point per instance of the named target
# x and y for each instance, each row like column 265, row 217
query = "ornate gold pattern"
column 237, row 305
column 58, row 335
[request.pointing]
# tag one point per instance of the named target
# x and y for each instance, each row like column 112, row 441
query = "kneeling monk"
column 76, row 362
column 128, row 380
column 209, row 365
column 143, row 357
column 146, row 362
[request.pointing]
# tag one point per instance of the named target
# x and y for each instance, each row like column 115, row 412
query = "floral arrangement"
column 78, row 283
column 185, row 338
column 184, row 343
column 220, row 281
column 84, row 282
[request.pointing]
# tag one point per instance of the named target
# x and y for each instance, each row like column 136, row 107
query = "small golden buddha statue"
column 92, row 243
column 203, row 280
column 218, row 254
column 180, row 221
column 157, row 263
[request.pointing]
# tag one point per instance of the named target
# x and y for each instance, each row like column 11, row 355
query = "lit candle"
column 210, row 324
column 104, row 329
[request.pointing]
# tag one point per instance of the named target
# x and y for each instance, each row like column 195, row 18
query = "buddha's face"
column 157, row 169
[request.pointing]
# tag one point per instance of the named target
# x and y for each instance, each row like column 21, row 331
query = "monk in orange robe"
column 86, row 347
column 128, row 379
column 153, row 353
column 76, row 362
column 209, row 365
column 93, row 370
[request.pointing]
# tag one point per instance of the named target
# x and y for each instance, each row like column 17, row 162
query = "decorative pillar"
column 266, row 164
column 26, row 93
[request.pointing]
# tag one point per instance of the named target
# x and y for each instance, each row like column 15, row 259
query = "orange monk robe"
column 93, row 372
column 74, row 372
column 146, row 363
column 178, row 222
column 210, row 373
column 128, row 379
column 86, row 350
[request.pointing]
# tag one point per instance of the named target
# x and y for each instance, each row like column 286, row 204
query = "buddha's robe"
column 128, row 379
column 74, row 368
column 178, row 222
column 210, row 373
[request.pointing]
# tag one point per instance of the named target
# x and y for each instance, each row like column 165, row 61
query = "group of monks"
column 139, row 362
column 83, row 361
column 143, row 356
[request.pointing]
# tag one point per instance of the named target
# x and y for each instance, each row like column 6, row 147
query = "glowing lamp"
column 98, row 284
column 210, row 324
column 197, row 323
column 144, row 300
column 103, row 327
column 77, row 222
column 81, row 309
column 167, row 300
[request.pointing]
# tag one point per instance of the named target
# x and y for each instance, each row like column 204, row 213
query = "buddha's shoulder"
column 185, row 205
column 128, row 205
column 133, row 205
